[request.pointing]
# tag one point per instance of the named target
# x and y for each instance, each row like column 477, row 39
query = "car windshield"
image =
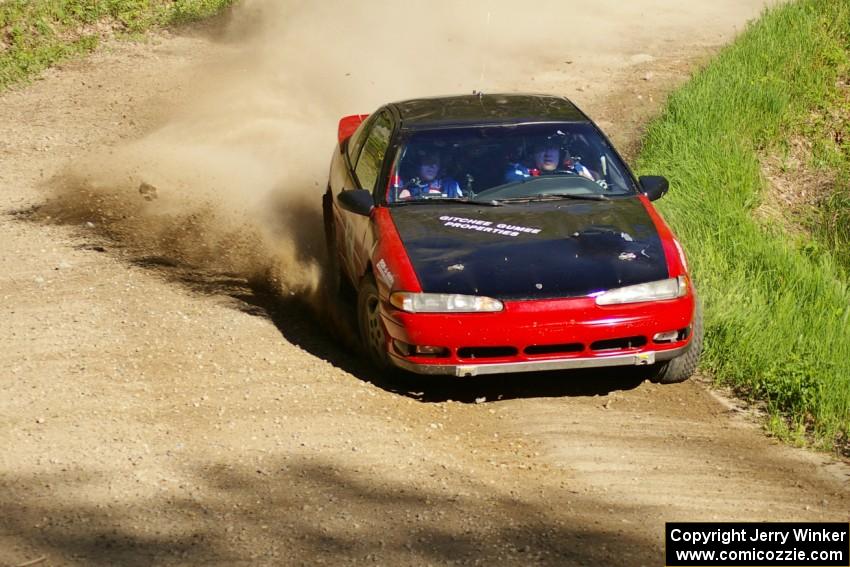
column 507, row 163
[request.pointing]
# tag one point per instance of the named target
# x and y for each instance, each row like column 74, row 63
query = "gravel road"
column 170, row 393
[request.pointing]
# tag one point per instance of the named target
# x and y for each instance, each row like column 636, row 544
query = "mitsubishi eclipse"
column 496, row 233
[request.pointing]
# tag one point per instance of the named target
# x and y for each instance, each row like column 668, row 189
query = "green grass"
column 35, row 34
column 832, row 226
column 829, row 127
column 777, row 315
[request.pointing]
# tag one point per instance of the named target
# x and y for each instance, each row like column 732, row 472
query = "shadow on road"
column 303, row 510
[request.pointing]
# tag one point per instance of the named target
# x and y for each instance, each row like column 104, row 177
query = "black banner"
column 768, row 544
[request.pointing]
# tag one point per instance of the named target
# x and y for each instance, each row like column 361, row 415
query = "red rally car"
column 496, row 233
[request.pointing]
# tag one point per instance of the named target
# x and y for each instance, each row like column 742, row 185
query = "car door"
column 365, row 172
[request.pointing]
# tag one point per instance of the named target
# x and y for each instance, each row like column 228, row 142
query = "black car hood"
column 531, row 250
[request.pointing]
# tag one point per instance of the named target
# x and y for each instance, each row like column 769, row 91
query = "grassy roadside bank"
column 35, row 34
column 831, row 125
column 777, row 317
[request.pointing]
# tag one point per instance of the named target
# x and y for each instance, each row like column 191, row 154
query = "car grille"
column 479, row 352
column 619, row 344
column 486, row 352
column 533, row 350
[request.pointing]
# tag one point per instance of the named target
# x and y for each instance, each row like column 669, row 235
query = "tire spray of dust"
column 232, row 179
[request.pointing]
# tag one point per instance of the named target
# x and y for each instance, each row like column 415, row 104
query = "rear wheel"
column 372, row 333
column 682, row 367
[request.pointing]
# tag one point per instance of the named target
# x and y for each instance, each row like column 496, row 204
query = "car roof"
column 485, row 109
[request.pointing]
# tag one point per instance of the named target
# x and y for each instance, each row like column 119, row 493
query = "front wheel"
column 372, row 334
column 682, row 367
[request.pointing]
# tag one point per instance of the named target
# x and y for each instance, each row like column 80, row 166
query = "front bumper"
column 638, row 359
column 541, row 335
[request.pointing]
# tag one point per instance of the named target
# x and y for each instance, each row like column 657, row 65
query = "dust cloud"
column 232, row 179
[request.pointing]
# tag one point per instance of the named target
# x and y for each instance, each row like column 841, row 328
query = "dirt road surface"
column 157, row 413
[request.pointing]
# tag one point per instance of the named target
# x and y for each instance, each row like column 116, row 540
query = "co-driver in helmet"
column 548, row 157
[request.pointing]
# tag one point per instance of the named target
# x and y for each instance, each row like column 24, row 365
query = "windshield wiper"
column 490, row 203
column 555, row 197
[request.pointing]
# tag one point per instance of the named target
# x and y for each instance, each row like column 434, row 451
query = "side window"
column 372, row 157
column 355, row 143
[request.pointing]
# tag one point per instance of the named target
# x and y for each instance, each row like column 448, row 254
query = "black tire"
column 682, row 367
column 372, row 334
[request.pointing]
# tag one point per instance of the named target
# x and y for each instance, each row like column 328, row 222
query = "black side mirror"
column 357, row 201
column 654, row 186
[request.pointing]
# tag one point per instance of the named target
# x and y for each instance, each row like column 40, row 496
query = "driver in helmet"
column 429, row 182
column 547, row 157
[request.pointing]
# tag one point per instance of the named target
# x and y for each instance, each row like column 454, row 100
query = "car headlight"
column 443, row 303
column 670, row 288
